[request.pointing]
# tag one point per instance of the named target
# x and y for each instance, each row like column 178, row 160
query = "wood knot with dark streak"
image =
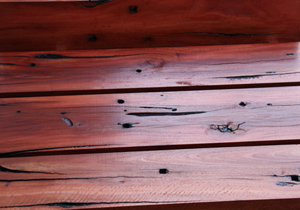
column 230, row 127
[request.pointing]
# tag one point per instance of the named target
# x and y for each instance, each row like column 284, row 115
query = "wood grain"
column 120, row 179
column 149, row 119
column 36, row 26
column 204, row 66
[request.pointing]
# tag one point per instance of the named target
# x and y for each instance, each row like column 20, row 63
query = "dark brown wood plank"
column 147, row 178
column 149, row 119
column 139, row 23
column 204, row 66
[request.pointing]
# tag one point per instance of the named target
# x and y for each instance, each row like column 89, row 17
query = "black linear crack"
column 3, row 169
column 288, row 184
column 58, row 56
column 230, row 35
column 9, row 64
column 66, row 179
column 71, row 204
column 7, row 154
column 150, row 114
column 253, row 76
column 150, row 107
column 98, row 2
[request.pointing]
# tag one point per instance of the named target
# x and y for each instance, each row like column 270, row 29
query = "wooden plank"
column 149, row 119
column 149, row 68
column 138, row 23
column 157, row 177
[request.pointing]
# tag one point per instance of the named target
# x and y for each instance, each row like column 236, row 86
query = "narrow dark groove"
column 7, row 170
column 230, row 35
column 7, row 154
column 151, row 114
column 9, row 64
column 96, row 3
column 69, row 179
column 151, row 107
column 253, row 76
column 150, row 89
column 58, row 56
column 91, row 150
column 71, row 204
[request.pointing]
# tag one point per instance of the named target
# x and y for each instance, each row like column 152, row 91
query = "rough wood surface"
column 140, row 23
column 149, row 119
column 204, row 66
column 157, row 177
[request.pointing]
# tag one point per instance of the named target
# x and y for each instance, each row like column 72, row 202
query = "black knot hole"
column 163, row 171
column 32, row 64
column 295, row 178
column 138, row 70
column 242, row 104
column 133, row 9
column 127, row 125
column 121, row 101
column 92, row 38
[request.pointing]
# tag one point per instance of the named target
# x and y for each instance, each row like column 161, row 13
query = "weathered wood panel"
column 149, row 119
column 149, row 68
column 157, row 177
column 151, row 23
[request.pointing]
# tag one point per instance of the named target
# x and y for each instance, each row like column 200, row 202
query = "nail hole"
column 242, row 104
column 121, row 101
column 269, row 104
column 133, row 9
column 32, row 64
column 138, row 70
column 127, row 125
column 174, row 110
column 18, row 111
column 92, row 38
column 289, row 54
column 163, row 171
column 62, row 113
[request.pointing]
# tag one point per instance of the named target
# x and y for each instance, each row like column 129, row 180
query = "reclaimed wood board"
column 133, row 69
column 36, row 26
column 149, row 119
column 153, row 177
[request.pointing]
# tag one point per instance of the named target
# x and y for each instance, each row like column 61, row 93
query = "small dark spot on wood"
column 79, row 124
column 132, row 9
column 32, row 64
column 174, row 110
column 62, row 113
column 119, row 123
column 242, row 104
column 163, row 171
column 289, row 54
column 161, row 95
column 148, row 39
column 18, row 111
column 127, row 125
column 92, row 38
column 271, row 72
column 121, row 101
column 269, row 104
column 121, row 181
column 67, row 121
column 125, row 110
column 138, row 70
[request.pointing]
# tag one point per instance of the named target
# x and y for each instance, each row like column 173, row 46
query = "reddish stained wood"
column 120, row 179
column 149, row 68
column 149, row 119
column 156, row 23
